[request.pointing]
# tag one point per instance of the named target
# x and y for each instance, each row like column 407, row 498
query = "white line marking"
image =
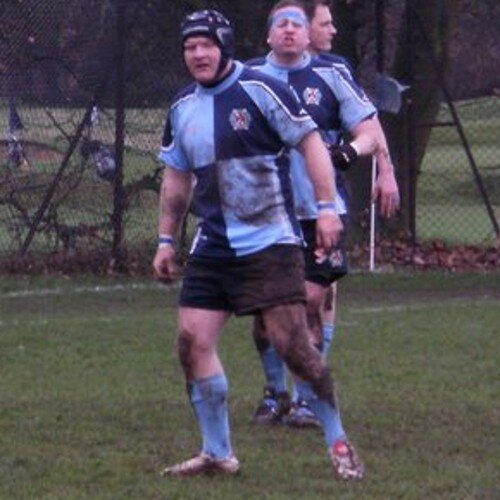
column 109, row 289
column 445, row 302
column 98, row 289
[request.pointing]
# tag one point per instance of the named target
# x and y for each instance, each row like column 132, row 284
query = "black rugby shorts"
column 245, row 285
column 333, row 267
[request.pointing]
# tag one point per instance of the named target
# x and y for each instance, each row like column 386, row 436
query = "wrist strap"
column 165, row 240
column 355, row 148
column 326, row 206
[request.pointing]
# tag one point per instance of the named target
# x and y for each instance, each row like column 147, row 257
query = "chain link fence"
column 453, row 203
column 62, row 66
column 84, row 87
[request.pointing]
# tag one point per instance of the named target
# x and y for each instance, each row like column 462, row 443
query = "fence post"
column 412, row 167
column 117, row 254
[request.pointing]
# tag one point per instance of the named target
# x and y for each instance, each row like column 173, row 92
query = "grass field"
column 93, row 403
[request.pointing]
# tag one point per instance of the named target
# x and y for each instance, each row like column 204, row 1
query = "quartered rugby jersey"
column 334, row 101
column 342, row 64
column 234, row 137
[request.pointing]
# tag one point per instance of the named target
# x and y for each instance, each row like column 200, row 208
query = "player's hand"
column 165, row 268
column 343, row 157
column 328, row 230
column 386, row 192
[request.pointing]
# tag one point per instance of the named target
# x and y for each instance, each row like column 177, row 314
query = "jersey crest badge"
column 240, row 119
column 336, row 258
column 312, row 96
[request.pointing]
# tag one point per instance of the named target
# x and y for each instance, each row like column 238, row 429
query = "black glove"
column 343, row 156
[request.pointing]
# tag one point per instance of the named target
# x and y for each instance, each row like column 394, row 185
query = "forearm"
column 322, row 175
column 174, row 201
column 319, row 167
column 369, row 139
column 385, row 189
column 382, row 155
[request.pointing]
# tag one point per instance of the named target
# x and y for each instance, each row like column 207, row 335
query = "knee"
column 191, row 349
column 314, row 303
column 185, row 349
column 191, row 344
column 330, row 297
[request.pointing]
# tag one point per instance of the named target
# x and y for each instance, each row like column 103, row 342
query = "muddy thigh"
column 287, row 330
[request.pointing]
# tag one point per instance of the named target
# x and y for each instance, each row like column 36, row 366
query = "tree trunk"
column 417, row 36
column 422, row 54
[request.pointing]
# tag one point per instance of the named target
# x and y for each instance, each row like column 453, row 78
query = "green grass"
column 465, row 225
column 93, row 402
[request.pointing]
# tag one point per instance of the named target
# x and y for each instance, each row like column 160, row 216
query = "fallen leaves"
column 402, row 253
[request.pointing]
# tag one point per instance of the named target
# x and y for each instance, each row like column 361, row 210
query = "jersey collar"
column 300, row 64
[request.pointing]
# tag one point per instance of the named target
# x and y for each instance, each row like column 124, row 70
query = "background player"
column 322, row 31
column 337, row 104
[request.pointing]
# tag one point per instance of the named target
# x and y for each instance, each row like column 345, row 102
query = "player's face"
column 322, row 30
column 202, row 57
column 289, row 33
